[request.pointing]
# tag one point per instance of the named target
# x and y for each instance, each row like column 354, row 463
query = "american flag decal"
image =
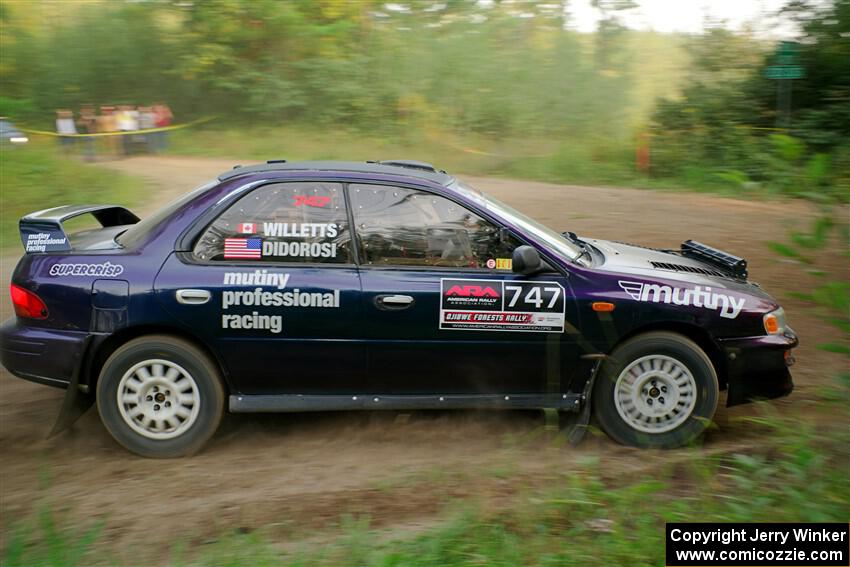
column 243, row 248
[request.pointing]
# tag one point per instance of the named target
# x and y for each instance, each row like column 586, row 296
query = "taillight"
column 27, row 304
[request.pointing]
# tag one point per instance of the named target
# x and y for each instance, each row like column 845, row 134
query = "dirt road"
column 301, row 472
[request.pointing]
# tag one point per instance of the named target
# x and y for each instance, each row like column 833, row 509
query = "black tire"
column 204, row 387
column 658, row 347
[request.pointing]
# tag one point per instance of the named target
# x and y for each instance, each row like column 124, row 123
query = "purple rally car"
column 378, row 285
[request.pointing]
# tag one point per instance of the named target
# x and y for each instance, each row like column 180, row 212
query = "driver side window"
column 406, row 227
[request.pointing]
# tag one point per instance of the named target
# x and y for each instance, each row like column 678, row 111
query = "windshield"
column 559, row 243
column 138, row 231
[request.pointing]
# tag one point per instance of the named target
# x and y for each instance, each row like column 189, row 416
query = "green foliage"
column 830, row 294
column 16, row 107
column 36, row 176
column 726, row 118
column 461, row 67
column 50, row 542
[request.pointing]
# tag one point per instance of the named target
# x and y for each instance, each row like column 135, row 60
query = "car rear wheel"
column 160, row 396
column 658, row 390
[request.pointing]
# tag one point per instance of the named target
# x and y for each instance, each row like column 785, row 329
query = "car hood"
column 651, row 263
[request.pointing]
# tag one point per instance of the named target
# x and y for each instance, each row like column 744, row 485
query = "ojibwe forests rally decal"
column 497, row 305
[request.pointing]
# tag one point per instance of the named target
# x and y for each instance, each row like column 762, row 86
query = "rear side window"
column 282, row 222
column 405, row 227
column 142, row 229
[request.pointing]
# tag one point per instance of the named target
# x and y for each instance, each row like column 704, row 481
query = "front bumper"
column 46, row 356
column 757, row 367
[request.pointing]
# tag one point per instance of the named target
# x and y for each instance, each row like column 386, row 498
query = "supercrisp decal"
column 728, row 306
column 104, row 270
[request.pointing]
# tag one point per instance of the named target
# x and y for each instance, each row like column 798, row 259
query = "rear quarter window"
column 140, row 231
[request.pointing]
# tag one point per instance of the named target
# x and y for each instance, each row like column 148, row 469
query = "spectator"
column 128, row 121
column 147, row 121
column 87, row 124
column 163, row 120
column 106, row 123
column 65, row 128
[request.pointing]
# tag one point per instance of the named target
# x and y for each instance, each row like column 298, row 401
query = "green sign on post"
column 785, row 68
column 784, row 72
column 786, row 63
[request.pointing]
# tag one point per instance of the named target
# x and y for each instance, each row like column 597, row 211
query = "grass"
column 38, row 176
column 798, row 475
column 586, row 161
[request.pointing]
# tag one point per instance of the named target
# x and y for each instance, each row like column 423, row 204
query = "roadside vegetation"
column 495, row 88
column 37, row 177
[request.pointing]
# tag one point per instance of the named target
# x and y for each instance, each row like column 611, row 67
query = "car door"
column 443, row 311
column 272, row 286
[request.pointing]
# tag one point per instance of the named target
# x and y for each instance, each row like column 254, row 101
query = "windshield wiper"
column 580, row 243
column 584, row 251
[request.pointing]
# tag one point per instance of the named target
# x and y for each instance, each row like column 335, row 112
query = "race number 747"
column 534, row 296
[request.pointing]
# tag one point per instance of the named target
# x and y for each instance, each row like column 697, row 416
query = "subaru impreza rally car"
column 378, row 285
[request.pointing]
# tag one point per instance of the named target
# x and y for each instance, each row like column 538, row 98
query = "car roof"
column 404, row 168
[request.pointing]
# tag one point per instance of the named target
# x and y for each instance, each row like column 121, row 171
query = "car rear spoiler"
column 43, row 231
column 703, row 252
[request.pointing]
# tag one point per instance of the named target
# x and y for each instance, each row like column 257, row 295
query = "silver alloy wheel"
column 655, row 394
column 158, row 399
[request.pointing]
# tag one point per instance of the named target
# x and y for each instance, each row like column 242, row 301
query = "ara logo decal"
column 472, row 291
column 471, row 294
column 311, row 200
column 698, row 296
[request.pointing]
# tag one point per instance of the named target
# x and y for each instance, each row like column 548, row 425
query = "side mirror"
column 527, row 261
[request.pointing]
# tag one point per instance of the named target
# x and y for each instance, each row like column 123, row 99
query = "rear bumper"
column 757, row 367
column 46, row 356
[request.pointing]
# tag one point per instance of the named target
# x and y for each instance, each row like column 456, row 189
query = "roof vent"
column 409, row 163
column 276, row 161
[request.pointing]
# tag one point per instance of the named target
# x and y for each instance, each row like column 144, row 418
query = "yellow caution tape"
column 443, row 141
column 121, row 133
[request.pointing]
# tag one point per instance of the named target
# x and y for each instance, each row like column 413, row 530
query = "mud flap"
column 75, row 403
column 575, row 423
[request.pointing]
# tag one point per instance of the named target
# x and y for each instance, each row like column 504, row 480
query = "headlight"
column 19, row 139
column 775, row 322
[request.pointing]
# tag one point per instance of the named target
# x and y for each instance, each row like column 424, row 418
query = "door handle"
column 394, row 301
column 193, row 296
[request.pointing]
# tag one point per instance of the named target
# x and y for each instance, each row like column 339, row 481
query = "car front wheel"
column 657, row 389
column 160, row 396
